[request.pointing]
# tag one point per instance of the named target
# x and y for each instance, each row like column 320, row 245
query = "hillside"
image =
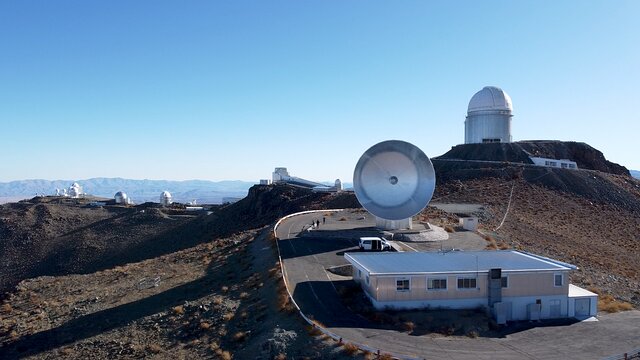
column 519, row 152
column 149, row 282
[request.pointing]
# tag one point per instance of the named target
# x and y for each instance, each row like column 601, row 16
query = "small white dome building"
column 75, row 191
column 488, row 117
column 338, row 185
column 165, row 198
column 121, row 198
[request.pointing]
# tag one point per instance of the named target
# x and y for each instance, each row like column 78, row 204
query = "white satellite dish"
column 394, row 180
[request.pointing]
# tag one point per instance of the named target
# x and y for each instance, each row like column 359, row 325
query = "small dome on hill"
column 490, row 98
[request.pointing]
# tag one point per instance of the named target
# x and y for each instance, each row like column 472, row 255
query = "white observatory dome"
column 165, row 198
column 75, row 190
column 121, row 198
column 490, row 98
column 488, row 117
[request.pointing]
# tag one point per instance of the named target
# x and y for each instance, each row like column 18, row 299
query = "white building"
column 75, row 191
column 563, row 163
column 122, row 198
column 488, row 117
column 513, row 285
column 165, row 198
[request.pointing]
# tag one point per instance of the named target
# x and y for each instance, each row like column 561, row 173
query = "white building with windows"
column 563, row 163
column 513, row 285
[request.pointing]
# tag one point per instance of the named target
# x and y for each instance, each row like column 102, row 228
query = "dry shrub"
column 228, row 316
column 503, row 246
column 473, row 334
column 244, row 295
column 6, row 308
column 13, row 335
column 244, row 314
column 214, row 346
column 154, row 348
column 449, row 229
column 608, row 303
column 313, row 331
column 66, row 351
column 385, row 357
column 408, row 326
column 492, row 244
column 223, row 354
column 240, row 336
column 349, row 349
column 205, row 325
column 225, row 289
column 178, row 310
column 342, row 219
column 218, row 300
column 280, row 356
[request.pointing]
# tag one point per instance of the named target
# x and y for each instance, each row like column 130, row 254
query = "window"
column 367, row 278
column 466, row 283
column 402, row 284
column 557, row 280
column 437, row 284
column 359, row 273
column 504, row 281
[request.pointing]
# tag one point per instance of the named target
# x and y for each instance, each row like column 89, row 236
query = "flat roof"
column 453, row 262
column 576, row 291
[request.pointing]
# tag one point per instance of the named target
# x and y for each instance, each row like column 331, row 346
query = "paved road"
column 306, row 256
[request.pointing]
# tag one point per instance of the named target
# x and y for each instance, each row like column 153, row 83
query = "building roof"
column 453, row 262
column 490, row 98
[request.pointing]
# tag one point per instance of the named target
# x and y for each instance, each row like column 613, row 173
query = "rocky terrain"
column 143, row 281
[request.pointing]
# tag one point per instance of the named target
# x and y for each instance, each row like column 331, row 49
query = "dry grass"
column 244, row 295
column 178, row 310
column 449, row 229
column 313, row 331
column 408, row 326
column 240, row 336
column 223, row 354
column 66, row 351
column 280, row 356
column 350, row 349
column 224, row 289
column 385, row 357
column 205, row 325
column 154, row 348
column 228, row 316
column 342, row 219
column 608, row 303
column 6, row 308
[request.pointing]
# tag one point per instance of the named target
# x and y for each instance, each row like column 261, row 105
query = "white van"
column 374, row 244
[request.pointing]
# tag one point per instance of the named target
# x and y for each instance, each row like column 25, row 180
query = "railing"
column 633, row 354
column 315, row 325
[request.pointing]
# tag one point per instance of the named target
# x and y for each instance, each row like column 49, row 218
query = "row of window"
column 403, row 284
column 441, row 283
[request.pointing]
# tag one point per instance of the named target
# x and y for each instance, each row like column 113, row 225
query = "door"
column 554, row 308
column 583, row 306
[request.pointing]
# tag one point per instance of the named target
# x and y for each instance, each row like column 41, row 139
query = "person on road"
column 323, row 220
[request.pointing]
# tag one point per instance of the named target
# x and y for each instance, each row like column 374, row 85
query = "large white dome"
column 490, row 98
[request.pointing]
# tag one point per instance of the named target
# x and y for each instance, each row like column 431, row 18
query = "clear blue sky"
column 231, row 89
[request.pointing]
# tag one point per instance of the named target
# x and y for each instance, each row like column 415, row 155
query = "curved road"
column 305, row 259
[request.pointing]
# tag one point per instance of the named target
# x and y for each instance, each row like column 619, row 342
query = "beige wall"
column 541, row 283
column 383, row 288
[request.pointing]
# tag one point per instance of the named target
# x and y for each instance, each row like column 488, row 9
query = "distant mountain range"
column 635, row 173
column 205, row 192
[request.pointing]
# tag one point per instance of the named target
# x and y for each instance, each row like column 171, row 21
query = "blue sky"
column 231, row 89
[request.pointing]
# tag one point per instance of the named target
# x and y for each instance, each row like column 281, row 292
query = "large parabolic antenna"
column 394, row 180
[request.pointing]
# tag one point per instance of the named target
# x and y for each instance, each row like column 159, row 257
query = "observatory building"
column 121, row 198
column 165, row 198
column 488, row 117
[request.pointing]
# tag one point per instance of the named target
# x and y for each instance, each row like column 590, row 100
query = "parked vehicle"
column 374, row 244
